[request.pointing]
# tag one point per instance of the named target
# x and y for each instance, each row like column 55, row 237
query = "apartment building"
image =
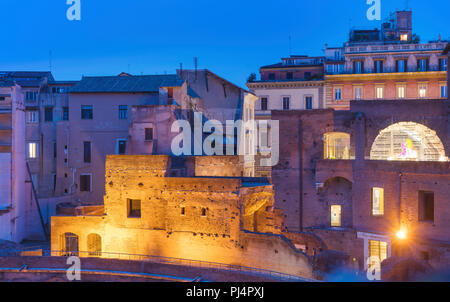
column 129, row 114
column 385, row 63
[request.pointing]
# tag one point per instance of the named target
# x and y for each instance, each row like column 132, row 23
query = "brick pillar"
column 360, row 141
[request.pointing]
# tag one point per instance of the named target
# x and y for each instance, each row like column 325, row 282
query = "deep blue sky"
column 232, row 38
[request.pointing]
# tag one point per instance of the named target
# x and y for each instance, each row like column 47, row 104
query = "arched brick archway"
column 407, row 141
column 336, row 196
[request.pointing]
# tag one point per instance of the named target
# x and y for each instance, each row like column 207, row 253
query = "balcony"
column 395, row 48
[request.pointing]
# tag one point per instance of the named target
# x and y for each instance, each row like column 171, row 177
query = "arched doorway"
column 408, row 141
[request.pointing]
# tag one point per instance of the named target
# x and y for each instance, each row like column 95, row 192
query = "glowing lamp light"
column 401, row 234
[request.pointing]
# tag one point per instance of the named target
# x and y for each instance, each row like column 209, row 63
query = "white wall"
column 297, row 97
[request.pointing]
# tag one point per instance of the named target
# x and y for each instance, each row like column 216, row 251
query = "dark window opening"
column 307, row 75
column 264, row 104
column 134, row 208
column 148, row 134
column 65, row 116
column 289, row 76
column 203, row 212
column 183, row 211
column 271, row 76
column 309, row 103
column 286, row 103
column 426, row 206
column 123, row 112
column 87, row 152
column 87, row 113
column 85, row 183
column 122, row 148
column 49, row 114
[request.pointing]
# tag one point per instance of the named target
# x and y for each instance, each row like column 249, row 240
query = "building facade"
column 386, row 63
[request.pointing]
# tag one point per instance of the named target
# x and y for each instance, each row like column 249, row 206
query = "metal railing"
column 164, row 260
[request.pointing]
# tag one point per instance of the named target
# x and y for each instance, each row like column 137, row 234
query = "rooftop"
column 126, row 83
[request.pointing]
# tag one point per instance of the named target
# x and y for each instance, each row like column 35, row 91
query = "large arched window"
column 336, row 145
column 94, row 245
column 70, row 244
column 408, row 141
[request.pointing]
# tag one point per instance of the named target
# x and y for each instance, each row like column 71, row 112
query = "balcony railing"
column 396, row 47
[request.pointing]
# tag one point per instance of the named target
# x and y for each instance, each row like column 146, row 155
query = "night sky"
column 231, row 38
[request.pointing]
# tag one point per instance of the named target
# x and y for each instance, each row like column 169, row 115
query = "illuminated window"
column 401, row 92
column 377, row 201
column 358, row 93
column 408, row 141
column 70, row 244
column 32, row 150
column 336, row 145
column 404, row 37
column 134, row 208
column 32, row 117
column 378, row 249
column 422, row 90
column 379, row 92
column 336, row 211
column 337, row 94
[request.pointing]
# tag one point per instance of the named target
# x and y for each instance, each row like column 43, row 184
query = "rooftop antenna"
column 195, row 66
column 290, row 45
column 50, row 60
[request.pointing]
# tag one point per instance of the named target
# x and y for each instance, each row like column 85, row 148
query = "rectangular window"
column 87, row 112
column 358, row 67
column 55, row 148
column 87, row 152
column 426, row 206
column 378, row 249
column 307, row 75
column 65, row 116
column 85, row 183
column 271, row 76
column 289, row 76
column 401, row 92
column 148, row 134
column 422, row 65
column 338, row 94
column 336, row 211
column 121, row 147
column 31, row 96
column 123, row 112
column 308, row 102
column 443, row 91
column 404, row 37
column 377, row 201
column 183, row 211
column 134, row 208
column 379, row 92
column 32, row 150
column 443, row 64
column 401, row 66
column 358, row 93
column 49, row 114
column 264, row 104
column 32, row 117
column 422, row 90
column 379, row 66
column 286, row 103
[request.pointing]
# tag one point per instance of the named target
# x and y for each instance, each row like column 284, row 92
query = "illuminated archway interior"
column 336, row 145
column 408, row 141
